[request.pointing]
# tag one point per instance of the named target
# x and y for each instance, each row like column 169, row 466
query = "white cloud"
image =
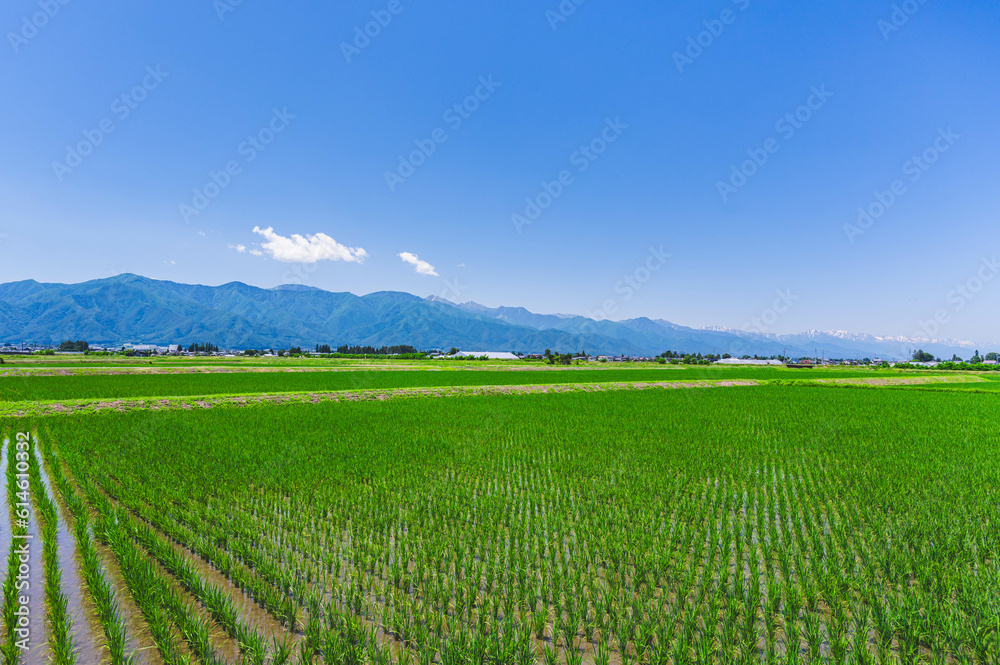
column 239, row 248
column 256, row 252
column 171, row 263
column 201, row 233
column 422, row 267
column 308, row 249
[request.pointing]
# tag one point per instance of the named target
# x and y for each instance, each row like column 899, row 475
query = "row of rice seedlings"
column 109, row 611
column 349, row 642
column 318, row 642
column 216, row 601
column 243, row 574
column 161, row 606
column 61, row 643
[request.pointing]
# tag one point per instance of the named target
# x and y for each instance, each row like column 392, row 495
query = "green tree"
column 922, row 356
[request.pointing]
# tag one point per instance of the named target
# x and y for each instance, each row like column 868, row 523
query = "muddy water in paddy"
column 89, row 634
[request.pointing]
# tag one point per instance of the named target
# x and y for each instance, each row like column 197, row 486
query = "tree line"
column 921, row 356
column 394, row 350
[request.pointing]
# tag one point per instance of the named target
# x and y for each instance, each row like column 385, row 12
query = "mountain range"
column 131, row 308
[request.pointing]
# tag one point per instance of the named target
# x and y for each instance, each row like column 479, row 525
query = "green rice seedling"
column 313, row 635
column 704, row 650
column 197, row 635
column 252, row 644
column 11, row 653
column 573, row 655
column 539, row 621
column 839, row 643
column 304, row 654
column 622, row 640
column 860, row 651
column 454, row 649
column 379, row 654
column 568, row 632
column 425, row 656
column 602, row 654
column 524, row 652
column 813, row 629
column 282, row 651
column 479, row 644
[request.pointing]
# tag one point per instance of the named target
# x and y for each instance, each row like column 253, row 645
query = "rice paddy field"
column 688, row 515
column 18, row 384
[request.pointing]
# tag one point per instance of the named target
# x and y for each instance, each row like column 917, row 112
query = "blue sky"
column 639, row 226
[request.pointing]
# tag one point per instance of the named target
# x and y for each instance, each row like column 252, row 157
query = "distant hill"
column 132, row 308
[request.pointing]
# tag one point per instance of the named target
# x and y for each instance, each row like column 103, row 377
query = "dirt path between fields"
column 902, row 381
column 26, row 372
column 33, row 409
